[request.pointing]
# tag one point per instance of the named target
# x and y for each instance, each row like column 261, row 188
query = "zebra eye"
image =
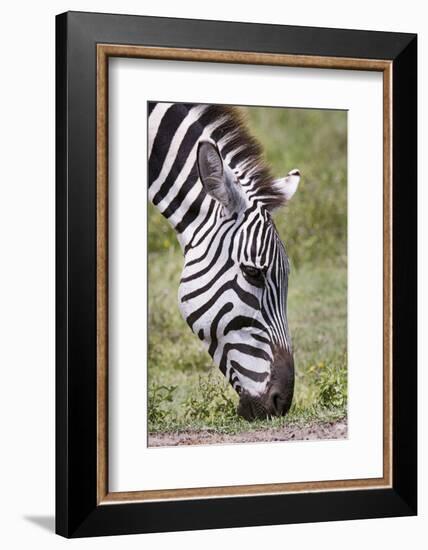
column 252, row 273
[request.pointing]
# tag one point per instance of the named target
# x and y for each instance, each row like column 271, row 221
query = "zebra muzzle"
column 251, row 408
column 277, row 399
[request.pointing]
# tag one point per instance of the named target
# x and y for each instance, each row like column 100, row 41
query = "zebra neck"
column 174, row 184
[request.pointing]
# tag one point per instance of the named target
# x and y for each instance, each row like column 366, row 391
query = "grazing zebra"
column 208, row 178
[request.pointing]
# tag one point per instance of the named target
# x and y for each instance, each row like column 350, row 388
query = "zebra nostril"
column 275, row 401
column 278, row 403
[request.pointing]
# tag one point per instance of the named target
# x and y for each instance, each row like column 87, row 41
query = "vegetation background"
column 186, row 391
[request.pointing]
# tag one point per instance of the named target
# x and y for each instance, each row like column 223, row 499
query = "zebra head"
column 233, row 289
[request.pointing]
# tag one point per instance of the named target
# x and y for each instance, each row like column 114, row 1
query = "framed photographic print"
column 236, row 274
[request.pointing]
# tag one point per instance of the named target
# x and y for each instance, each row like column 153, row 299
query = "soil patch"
column 320, row 430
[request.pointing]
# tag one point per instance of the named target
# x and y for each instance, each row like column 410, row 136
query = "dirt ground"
column 321, row 430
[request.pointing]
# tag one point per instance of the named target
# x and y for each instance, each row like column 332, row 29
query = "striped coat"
column 208, row 179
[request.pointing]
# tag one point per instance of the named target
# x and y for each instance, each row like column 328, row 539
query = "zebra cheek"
column 199, row 328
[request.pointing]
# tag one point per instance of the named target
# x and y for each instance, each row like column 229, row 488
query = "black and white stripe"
column 207, row 177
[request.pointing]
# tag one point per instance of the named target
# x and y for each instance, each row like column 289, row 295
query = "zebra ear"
column 215, row 177
column 287, row 186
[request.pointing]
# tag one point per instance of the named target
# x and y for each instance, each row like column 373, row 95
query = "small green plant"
column 159, row 395
column 333, row 387
column 210, row 402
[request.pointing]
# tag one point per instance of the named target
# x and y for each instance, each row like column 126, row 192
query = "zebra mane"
column 234, row 139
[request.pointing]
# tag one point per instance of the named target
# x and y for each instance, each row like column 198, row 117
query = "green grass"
column 186, row 391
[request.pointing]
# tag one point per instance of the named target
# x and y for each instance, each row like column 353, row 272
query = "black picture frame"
column 78, row 513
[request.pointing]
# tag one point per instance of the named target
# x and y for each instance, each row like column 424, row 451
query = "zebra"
column 207, row 177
